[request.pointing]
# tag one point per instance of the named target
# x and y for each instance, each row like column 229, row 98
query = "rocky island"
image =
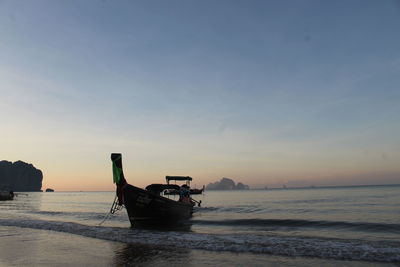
column 20, row 176
column 226, row 184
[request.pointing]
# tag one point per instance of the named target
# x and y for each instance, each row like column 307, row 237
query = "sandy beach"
column 23, row 246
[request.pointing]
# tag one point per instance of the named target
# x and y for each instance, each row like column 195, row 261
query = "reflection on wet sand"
column 134, row 255
column 139, row 254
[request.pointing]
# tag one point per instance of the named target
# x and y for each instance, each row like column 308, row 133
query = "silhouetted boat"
column 148, row 204
column 5, row 195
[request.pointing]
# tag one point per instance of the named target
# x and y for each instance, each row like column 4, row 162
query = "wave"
column 63, row 214
column 237, row 209
column 275, row 245
column 360, row 226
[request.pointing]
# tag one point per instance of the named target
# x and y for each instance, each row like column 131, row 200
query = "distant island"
column 226, row 184
column 20, row 176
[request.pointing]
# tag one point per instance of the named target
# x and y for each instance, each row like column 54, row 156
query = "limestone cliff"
column 226, row 184
column 20, row 176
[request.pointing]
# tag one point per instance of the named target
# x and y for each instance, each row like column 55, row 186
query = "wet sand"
column 24, row 246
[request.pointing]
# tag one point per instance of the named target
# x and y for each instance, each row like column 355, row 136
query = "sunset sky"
column 263, row 92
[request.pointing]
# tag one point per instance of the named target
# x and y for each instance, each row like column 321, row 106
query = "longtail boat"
column 149, row 204
column 5, row 195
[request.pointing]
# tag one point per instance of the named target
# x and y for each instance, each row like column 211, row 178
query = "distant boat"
column 148, row 205
column 6, row 195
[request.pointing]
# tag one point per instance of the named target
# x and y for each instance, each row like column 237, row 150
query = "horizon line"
column 256, row 188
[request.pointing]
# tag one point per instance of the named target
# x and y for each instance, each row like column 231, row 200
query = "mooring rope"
column 114, row 207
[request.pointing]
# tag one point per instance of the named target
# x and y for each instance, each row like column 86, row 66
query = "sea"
column 352, row 226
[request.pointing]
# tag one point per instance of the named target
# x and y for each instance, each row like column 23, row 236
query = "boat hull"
column 6, row 196
column 143, row 205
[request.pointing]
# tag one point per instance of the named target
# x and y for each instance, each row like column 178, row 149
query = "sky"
column 264, row 92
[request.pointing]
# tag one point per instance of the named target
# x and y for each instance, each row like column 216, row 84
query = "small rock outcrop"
column 49, row 190
column 20, row 176
column 226, row 184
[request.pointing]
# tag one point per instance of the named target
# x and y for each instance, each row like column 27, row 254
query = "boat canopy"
column 178, row 178
column 158, row 188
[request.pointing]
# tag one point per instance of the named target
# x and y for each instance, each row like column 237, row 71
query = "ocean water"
column 357, row 224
